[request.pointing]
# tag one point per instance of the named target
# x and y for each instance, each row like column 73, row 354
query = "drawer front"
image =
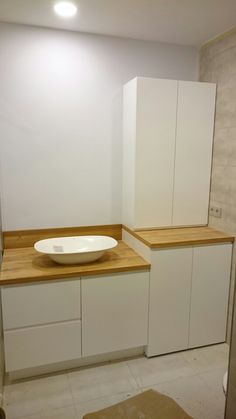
column 41, row 303
column 42, row 345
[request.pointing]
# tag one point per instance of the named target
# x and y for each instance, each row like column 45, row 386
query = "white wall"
column 60, row 121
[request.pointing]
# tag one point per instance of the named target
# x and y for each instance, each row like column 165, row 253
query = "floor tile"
column 194, row 396
column 62, row 413
column 208, row 358
column 159, row 369
column 102, row 403
column 34, row 396
column 214, row 381
column 102, row 381
column 193, row 378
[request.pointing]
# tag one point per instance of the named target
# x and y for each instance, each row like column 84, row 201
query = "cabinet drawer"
column 42, row 345
column 41, row 303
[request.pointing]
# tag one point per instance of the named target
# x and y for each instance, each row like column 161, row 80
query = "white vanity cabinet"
column 42, row 323
column 114, row 312
column 189, row 290
column 167, row 150
column 63, row 320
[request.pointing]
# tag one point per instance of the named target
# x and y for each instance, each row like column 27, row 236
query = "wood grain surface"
column 172, row 237
column 26, row 265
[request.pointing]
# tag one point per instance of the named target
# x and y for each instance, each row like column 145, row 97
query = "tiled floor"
column 192, row 378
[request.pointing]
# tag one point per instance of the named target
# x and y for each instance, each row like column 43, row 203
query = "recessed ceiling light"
column 65, row 9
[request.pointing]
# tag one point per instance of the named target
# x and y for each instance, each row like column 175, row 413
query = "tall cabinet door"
column 155, row 147
column 210, row 290
column 169, row 305
column 195, row 121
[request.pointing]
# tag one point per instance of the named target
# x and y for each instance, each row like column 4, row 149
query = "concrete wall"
column 218, row 65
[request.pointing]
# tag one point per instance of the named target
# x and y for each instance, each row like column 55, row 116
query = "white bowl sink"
column 77, row 249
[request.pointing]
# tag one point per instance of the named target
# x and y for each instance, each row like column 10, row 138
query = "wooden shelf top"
column 24, row 265
column 185, row 236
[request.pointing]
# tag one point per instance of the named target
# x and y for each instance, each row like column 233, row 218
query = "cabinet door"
column 155, row 148
column 170, row 284
column 210, row 289
column 114, row 312
column 195, row 121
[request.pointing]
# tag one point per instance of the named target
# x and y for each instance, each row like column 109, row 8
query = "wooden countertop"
column 186, row 236
column 26, row 265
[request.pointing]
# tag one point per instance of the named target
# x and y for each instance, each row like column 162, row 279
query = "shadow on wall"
column 116, row 155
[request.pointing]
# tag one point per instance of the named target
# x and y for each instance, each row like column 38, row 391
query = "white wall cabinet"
column 194, row 136
column 114, row 312
column 167, row 149
column 149, row 132
column 189, row 291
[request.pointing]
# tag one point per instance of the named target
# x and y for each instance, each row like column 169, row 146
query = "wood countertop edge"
column 191, row 242
column 47, row 278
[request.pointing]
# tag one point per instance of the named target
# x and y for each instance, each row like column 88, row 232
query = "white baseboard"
column 69, row 365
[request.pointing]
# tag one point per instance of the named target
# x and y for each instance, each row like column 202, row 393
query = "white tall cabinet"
column 167, row 148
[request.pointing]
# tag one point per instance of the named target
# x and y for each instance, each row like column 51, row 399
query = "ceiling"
column 184, row 22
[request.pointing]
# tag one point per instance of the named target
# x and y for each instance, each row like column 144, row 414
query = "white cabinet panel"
column 114, row 312
column 170, row 287
column 195, row 122
column 155, row 148
column 27, row 305
column 42, row 345
column 129, row 153
column 167, row 150
column 210, row 289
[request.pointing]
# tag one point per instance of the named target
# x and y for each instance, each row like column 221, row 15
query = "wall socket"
column 215, row 211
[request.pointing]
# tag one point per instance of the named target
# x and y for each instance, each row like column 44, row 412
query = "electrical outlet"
column 215, row 211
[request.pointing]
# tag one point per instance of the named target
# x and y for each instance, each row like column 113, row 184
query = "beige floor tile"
column 36, row 416
column 208, row 358
column 68, row 412
column 194, row 378
column 159, row 369
column 94, row 405
column 214, row 381
column 34, row 396
column 62, row 413
column 193, row 395
column 102, row 381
